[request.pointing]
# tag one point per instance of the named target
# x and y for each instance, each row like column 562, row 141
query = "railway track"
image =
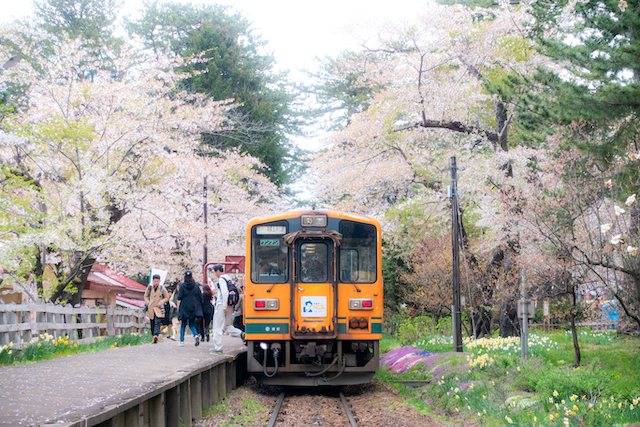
column 329, row 409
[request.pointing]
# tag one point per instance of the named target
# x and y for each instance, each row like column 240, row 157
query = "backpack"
column 234, row 295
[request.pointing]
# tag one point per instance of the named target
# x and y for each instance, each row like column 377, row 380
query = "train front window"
column 358, row 255
column 314, row 263
column 269, row 253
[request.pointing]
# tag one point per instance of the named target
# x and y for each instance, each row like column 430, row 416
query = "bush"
column 590, row 381
column 412, row 330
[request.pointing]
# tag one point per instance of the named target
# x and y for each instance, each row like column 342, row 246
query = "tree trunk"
column 509, row 324
column 78, row 278
column 38, row 271
column 502, row 126
column 574, row 332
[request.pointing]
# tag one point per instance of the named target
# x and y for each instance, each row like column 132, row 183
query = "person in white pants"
column 222, row 314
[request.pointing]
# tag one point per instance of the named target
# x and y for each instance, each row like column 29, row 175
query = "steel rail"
column 348, row 410
column 276, row 411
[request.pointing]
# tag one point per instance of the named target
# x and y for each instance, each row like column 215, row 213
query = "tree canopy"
column 233, row 65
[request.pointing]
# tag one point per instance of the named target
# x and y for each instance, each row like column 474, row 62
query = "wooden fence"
column 21, row 323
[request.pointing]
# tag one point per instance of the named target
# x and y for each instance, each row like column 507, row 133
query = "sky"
column 297, row 31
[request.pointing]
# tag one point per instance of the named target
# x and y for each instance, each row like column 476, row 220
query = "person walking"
column 167, row 326
column 222, row 311
column 173, row 314
column 238, row 312
column 207, row 310
column 190, row 310
column 155, row 297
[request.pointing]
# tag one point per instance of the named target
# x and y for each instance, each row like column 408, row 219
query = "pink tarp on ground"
column 401, row 359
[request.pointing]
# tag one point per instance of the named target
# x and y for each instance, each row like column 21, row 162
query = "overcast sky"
column 297, row 30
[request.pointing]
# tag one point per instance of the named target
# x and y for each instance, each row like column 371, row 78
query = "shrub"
column 590, row 381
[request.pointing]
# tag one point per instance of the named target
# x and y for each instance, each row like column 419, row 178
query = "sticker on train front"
column 315, row 306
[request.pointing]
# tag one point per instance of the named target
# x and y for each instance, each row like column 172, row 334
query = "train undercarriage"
column 309, row 363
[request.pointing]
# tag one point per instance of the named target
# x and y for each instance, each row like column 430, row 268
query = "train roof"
column 299, row 213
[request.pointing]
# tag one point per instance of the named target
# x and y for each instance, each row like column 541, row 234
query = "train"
column 313, row 298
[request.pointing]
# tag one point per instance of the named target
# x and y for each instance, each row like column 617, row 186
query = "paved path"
column 68, row 388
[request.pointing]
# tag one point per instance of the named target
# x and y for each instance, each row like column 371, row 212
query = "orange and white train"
column 313, row 298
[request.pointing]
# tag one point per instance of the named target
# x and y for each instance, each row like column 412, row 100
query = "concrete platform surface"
column 74, row 387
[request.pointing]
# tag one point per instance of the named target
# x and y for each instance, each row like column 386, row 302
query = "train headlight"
column 360, row 303
column 313, row 220
column 266, row 304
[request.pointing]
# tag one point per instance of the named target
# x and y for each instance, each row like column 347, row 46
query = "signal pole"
column 206, row 221
column 456, row 315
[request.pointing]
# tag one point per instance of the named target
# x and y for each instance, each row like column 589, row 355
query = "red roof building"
column 106, row 287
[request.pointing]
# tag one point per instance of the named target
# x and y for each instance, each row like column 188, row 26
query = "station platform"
column 126, row 386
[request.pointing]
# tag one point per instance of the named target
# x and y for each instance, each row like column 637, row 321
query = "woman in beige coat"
column 156, row 296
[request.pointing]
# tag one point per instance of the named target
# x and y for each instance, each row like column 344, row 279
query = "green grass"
column 498, row 387
column 48, row 347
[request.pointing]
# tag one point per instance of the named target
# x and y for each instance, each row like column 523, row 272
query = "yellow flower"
column 112, row 346
column 575, row 407
column 39, row 345
column 75, row 344
column 457, row 397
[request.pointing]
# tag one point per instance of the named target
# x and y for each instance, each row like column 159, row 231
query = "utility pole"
column 206, row 221
column 524, row 336
column 456, row 315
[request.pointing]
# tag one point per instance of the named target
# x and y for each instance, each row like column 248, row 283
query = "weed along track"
column 325, row 407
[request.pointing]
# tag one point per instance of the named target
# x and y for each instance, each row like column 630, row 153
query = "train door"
column 314, row 284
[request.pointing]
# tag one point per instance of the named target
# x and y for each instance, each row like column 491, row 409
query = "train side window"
column 269, row 254
column 358, row 253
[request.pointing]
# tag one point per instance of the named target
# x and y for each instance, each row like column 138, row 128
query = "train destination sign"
column 271, row 229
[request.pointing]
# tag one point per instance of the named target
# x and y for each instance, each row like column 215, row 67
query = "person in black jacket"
column 207, row 310
column 190, row 310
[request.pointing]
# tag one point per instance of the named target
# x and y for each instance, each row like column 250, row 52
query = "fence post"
column 110, row 329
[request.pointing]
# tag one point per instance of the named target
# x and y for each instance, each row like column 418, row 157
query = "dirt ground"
column 373, row 405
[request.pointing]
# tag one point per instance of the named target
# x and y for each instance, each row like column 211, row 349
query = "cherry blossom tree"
column 579, row 232
column 105, row 170
column 431, row 101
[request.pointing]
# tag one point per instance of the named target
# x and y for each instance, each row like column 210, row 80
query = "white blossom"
column 630, row 200
column 618, row 210
column 616, row 239
column 605, row 227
